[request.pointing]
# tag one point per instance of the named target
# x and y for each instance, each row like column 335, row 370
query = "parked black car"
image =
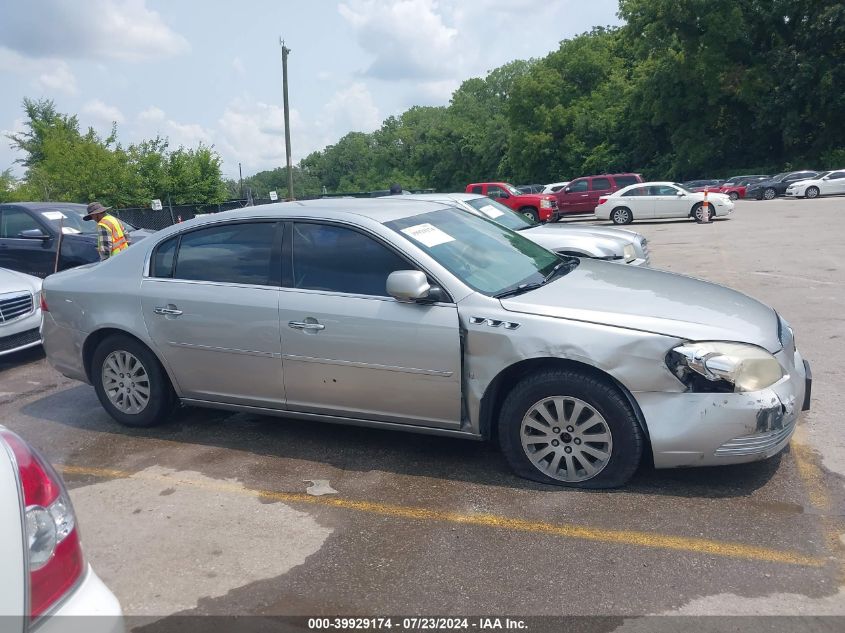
column 29, row 236
column 776, row 186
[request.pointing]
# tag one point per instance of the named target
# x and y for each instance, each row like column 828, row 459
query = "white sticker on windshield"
column 53, row 215
column 428, row 234
column 69, row 230
column 490, row 211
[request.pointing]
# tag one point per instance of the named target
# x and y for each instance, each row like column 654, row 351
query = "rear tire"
column 130, row 383
column 530, row 213
column 812, row 192
column 733, row 195
column 622, row 215
column 769, row 193
column 578, row 412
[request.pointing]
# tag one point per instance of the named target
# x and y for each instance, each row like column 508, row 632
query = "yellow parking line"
column 813, row 479
column 602, row 535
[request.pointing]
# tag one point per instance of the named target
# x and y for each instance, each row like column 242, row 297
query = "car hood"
column 13, row 281
column 653, row 301
column 587, row 230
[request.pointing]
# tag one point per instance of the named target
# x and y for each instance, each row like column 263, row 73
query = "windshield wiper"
column 572, row 262
column 518, row 290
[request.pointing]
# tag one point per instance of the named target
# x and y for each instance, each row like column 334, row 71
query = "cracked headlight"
column 629, row 253
column 724, row 366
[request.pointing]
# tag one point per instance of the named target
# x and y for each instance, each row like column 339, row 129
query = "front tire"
column 130, row 383
column 769, row 193
column 566, row 428
column 698, row 213
column 811, row 192
column 530, row 213
column 622, row 215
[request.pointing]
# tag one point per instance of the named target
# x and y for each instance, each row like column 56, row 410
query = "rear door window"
column 476, row 189
column 624, row 181
column 637, row 191
column 239, row 253
column 601, row 184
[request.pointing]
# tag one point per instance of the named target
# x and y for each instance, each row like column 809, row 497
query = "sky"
column 210, row 71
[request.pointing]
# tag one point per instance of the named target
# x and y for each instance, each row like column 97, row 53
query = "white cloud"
column 116, row 29
column 238, row 66
column 253, row 134
column 350, row 109
column 102, row 113
column 187, row 134
column 46, row 75
column 152, row 115
column 409, row 39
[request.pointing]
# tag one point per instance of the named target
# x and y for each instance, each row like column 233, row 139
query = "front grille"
column 13, row 306
column 20, row 339
column 758, row 443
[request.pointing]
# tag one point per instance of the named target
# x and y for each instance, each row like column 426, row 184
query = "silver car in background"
column 419, row 316
column 20, row 311
column 581, row 240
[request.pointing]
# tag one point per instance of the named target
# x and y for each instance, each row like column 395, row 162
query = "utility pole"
column 285, row 51
column 241, row 179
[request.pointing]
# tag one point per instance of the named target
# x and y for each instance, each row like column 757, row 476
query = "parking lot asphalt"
column 223, row 513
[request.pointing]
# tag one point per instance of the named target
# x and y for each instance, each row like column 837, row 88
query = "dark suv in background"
column 776, row 186
column 29, row 236
column 582, row 194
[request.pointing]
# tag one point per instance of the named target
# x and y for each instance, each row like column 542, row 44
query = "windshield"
column 512, row 190
column 498, row 212
column 486, row 256
column 72, row 223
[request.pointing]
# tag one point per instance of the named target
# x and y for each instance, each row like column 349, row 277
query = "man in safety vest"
column 112, row 235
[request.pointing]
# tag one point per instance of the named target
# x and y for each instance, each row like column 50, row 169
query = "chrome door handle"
column 302, row 325
column 167, row 311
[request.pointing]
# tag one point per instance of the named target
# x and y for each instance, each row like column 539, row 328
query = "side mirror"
column 826, row 178
column 504, row 195
column 33, row 234
column 680, row 194
column 408, row 285
column 568, row 189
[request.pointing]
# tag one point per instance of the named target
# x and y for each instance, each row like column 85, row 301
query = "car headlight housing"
column 545, row 204
column 629, row 253
column 724, row 366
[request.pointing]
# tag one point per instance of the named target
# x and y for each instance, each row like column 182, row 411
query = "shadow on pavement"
column 351, row 448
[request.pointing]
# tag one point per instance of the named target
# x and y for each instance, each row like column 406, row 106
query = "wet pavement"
column 212, row 513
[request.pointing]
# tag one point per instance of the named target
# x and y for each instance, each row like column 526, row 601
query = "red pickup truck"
column 538, row 207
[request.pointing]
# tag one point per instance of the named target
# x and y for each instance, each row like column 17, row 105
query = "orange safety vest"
column 119, row 241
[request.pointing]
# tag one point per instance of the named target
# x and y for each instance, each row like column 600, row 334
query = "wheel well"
column 95, row 338
column 527, row 207
column 501, row 385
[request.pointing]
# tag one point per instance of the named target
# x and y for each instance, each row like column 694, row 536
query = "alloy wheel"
column 769, row 194
column 566, row 438
column 812, row 192
column 126, row 382
column 620, row 216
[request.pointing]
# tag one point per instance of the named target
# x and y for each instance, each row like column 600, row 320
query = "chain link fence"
column 146, row 218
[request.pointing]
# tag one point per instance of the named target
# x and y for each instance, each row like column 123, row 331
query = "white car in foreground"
column 653, row 200
column 43, row 573
column 830, row 184
column 20, row 311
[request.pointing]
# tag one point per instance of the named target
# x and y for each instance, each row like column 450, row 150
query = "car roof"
column 434, row 197
column 381, row 210
column 38, row 206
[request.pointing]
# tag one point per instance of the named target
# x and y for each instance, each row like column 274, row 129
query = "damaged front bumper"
column 714, row 429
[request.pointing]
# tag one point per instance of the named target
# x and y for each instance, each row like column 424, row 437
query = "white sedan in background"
column 554, row 187
column 20, row 311
column 43, row 572
column 829, row 184
column 652, row 200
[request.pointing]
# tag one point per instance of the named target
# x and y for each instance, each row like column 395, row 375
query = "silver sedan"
column 599, row 242
column 418, row 316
